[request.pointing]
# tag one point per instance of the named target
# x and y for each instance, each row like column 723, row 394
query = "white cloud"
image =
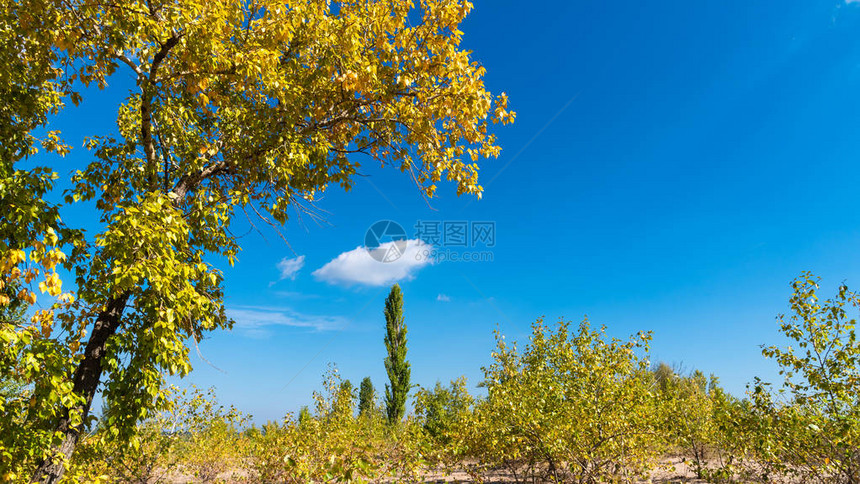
column 443, row 298
column 289, row 268
column 357, row 266
column 255, row 319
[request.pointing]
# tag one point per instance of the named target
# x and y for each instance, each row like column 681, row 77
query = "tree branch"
column 147, row 88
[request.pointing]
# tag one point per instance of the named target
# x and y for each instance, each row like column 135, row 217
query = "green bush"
column 818, row 426
column 575, row 406
column 366, row 397
column 441, row 409
column 332, row 445
column 194, row 437
column 687, row 407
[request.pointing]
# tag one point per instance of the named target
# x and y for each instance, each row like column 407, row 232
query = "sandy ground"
column 670, row 471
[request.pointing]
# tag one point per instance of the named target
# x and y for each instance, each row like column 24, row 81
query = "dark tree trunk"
column 86, row 382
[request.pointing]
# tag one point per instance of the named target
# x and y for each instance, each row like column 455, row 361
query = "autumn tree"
column 346, row 397
column 440, row 409
column 574, row 406
column 238, row 107
column 395, row 363
column 687, row 406
column 366, row 397
column 819, row 428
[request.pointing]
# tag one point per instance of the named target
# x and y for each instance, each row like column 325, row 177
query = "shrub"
column 819, row 426
column 210, row 442
column 331, row 444
column 809, row 428
column 194, row 436
column 439, row 410
column 574, row 406
column 687, row 407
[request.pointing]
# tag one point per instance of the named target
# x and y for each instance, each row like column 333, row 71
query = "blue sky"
column 674, row 165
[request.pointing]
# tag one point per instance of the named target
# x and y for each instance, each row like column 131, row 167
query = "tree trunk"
column 89, row 371
column 86, row 382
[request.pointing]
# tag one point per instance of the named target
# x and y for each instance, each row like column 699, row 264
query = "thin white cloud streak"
column 443, row 298
column 255, row 319
column 357, row 266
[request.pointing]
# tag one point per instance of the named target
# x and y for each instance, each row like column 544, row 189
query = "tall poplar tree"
column 395, row 364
